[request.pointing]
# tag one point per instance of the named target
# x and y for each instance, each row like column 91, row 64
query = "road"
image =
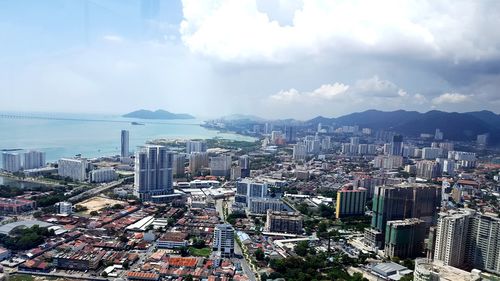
column 219, row 206
column 97, row 190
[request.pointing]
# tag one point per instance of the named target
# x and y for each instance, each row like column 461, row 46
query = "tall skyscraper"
column 179, row 165
column 11, row 162
column 124, row 144
column 33, row 159
column 290, row 134
column 299, row 152
column 197, row 161
column 397, row 145
column 451, row 237
column 223, row 243
column 153, row 173
column 402, row 201
column 466, row 238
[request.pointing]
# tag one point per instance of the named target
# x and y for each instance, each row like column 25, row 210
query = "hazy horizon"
column 269, row 58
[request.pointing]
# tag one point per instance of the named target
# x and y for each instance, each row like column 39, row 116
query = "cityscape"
column 150, row 140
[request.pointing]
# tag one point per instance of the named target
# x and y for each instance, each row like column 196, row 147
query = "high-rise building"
column 388, row 162
column 290, row 134
column 196, row 146
column 125, row 144
column 438, row 135
column 220, row 166
column 482, row 140
column 299, row 152
column 463, row 159
column 312, row 146
column 11, row 162
column 431, row 153
column 350, row 202
column 401, row 201
column 451, row 237
column 153, row 173
column 223, row 242
column 103, row 175
column 74, row 169
column 397, row 145
column 33, row 159
column 404, row 238
column 235, row 173
column 247, row 190
column 197, row 161
column 428, row 270
column 179, row 165
column 284, row 222
column 428, row 169
column 244, row 163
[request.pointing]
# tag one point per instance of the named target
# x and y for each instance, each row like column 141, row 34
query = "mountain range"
column 455, row 126
column 158, row 115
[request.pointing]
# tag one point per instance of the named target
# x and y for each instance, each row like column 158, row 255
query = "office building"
column 153, row 173
column 401, row 201
column 33, row 160
column 284, row 222
column 223, row 242
column 396, row 145
column 427, row 169
column 244, row 163
column 11, row 162
column 73, row 168
column 350, row 202
column 124, row 152
column 103, row 175
column 299, row 152
column 312, row 146
column 196, row 146
column 197, row 161
column 404, row 238
column 220, row 166
column 64, row 208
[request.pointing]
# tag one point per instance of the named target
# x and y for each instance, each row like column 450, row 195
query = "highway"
column 97, row 190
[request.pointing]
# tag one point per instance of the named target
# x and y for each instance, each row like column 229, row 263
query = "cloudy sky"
column 272, row 58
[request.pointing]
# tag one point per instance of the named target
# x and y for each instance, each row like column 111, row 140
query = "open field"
column 97, row 203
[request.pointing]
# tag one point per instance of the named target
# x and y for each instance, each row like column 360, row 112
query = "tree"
column 302, row 248
column 259, row 254
column 94, row 213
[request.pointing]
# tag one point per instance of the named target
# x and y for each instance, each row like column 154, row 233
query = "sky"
column 270, row 58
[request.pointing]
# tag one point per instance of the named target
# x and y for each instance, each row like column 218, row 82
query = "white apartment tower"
column 11, row 162
column 33, row 159
column 223, row 242
column 74, row 169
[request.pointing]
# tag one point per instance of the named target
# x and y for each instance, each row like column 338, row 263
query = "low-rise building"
column 172, row 240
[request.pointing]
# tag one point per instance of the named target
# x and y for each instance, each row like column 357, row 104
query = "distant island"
column 158, row 114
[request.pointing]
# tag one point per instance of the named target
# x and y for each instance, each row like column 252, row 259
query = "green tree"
column 259, row 254
column 302, row 248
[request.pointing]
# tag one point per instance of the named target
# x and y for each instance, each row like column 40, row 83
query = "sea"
column 93, row 135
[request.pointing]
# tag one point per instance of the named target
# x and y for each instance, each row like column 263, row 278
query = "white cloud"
column 450, row 98
column 238, row 31
column 113, row 38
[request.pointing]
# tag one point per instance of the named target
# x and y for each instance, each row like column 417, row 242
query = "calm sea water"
column 93, row 135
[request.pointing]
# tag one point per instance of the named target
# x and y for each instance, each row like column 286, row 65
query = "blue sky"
column 273, row 58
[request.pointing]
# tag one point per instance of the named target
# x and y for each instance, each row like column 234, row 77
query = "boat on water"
column 136, row 123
